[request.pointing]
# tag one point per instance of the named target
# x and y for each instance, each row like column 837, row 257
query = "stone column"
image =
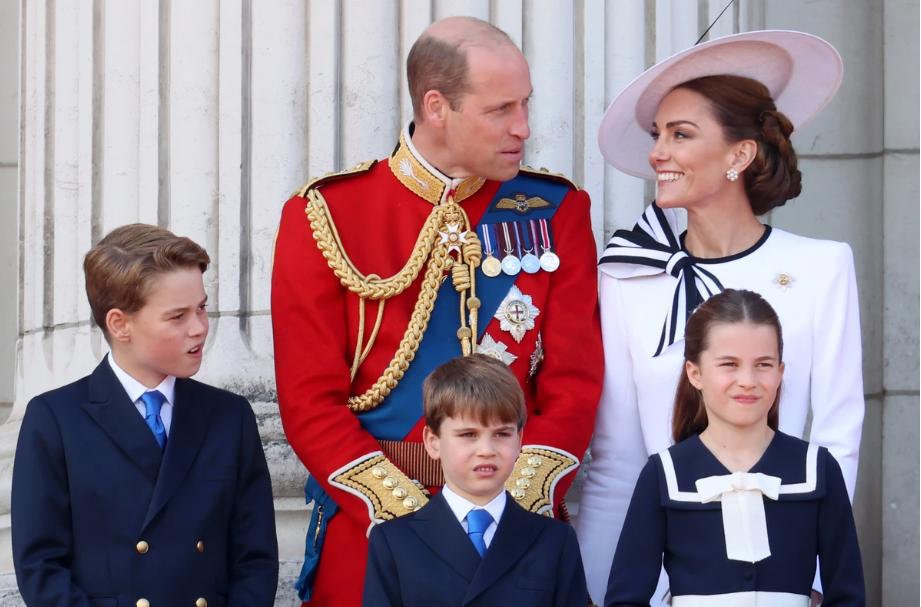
column 900, row 304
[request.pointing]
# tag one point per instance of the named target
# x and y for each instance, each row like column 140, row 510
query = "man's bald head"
column 438, row 59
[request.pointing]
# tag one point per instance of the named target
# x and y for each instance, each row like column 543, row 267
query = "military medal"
column 511, row 265
column 549, row 260
column 516, row 313
column 529, row 261
column 491, row 266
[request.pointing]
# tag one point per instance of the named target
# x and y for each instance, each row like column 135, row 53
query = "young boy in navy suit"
column 472, row 544
column 136, row 485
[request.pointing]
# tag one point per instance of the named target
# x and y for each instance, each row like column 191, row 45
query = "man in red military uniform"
column 384, row 271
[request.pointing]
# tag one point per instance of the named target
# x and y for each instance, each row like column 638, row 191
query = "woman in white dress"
column 712, row 125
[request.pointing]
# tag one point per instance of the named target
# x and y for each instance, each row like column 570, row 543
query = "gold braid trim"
column 545, row 172
column 428, row 247
column 536, row 473
column 385, row 489
column 406, row 351
column 368, row 287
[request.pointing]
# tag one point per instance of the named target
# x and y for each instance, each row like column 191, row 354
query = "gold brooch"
column 784, row 280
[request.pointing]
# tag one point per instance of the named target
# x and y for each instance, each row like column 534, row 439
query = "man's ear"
column 693, row 372
column 432, row 442
column 435, row 107
column 118, row 325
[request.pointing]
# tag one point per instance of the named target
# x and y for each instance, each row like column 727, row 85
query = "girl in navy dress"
column 736, row 510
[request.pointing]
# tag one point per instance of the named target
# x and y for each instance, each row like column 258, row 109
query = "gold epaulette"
column 544, row 172
column 537, row 471
column 361, row 167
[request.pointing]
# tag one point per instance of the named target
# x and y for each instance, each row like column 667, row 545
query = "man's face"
column 485, row 135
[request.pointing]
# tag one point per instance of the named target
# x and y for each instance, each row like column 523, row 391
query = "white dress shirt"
column 461, row 507
column 135, row 389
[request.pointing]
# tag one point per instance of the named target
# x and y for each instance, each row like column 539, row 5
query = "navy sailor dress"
column 743, row 539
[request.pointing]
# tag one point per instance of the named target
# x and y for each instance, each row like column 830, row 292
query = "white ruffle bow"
column 744, row 524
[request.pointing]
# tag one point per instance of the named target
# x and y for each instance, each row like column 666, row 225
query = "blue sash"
column 402, row 409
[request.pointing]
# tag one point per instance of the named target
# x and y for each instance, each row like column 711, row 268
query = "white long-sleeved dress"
column 811, row 285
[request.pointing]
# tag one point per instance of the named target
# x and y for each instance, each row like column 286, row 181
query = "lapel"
column 514, row 537
column 111, row 409
column 187, row 431
column 438, row 528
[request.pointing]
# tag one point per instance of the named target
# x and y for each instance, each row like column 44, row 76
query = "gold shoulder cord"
column 445, row 231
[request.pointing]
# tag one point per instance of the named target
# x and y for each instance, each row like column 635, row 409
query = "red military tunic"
column 378, row 210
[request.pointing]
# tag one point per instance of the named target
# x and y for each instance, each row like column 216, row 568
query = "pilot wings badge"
column 521, row 204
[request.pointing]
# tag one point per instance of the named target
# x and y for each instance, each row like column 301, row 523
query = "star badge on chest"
column 516, row 313
column 496, row 349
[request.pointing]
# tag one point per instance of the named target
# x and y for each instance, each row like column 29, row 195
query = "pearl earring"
column 732, row 174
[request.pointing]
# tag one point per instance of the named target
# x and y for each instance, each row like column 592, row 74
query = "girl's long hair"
column 729, row 307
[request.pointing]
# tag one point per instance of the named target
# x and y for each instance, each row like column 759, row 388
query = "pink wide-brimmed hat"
column 801, row 71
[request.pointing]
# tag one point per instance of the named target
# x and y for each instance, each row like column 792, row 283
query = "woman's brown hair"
column 745, row 110
column 729, row 307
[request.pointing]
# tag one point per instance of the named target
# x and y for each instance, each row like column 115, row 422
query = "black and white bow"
column 652, row 247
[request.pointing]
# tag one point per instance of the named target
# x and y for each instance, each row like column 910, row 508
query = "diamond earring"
column 732, row 174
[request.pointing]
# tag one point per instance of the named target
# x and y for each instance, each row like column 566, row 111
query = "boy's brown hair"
column 477, row 386
column 122, row 266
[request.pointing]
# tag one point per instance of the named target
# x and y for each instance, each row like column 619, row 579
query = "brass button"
column 535, row 461
column 528, row 472
column 378, row 472
column 390, row 482
column 201, row 602
column 524, row 483
column 142, row 603
column 400, row 493
column 142, row 547
column 410, row 503
column 200, row 546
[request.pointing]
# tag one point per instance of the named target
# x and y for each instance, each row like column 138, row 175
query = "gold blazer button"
column 142, row 547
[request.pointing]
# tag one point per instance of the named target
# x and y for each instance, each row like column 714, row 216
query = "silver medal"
column 530, row 263
column 549, row 261
column 511, row 265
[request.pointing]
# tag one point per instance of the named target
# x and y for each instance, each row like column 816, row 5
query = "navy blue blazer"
column 425, row 559
column 666, row 522
column 100, row 517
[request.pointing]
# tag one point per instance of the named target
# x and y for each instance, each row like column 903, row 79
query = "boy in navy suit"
column 136, row 485
column 472, row 544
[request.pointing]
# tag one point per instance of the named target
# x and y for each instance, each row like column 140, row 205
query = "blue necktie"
column 478, row 521
column 153, row 400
